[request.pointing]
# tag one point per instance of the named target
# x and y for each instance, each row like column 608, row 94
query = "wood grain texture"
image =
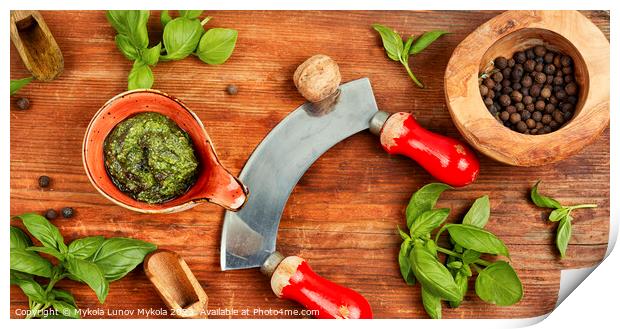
column 342, row 216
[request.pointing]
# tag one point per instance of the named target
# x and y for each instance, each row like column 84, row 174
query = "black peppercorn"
column 568, row 78
column 526, row 81
column 566, row 107
column 488, row 101
column 232, row 89
column 566, row 61
column 501, row 62
column 540, row 51
column 549, row 69
column 520, row 107
column 571, row 89
column 540, row 105
column 530, row 123
column 540, row 78
column 539, row 125
column 561, row 94
column 546, row 119
column 516, row 86
column 557, row 61
column 484, row 90
column 529, row 53
column 553, row 124
column 549, row 108
column 525, row 91
column 529, row 65
column 527, row 100
column 517, row 72
column 506, row 72
column 22, row 103
column 50, row 214
column 539, row 67
column 506, row 90
column 549, row 57
column 515, row 117
column 530, row 107
column 553, row 100
column 534, row 131
column 521, row 126
column 545, row 92
column 572, row 99
column 558, row 81
column 504, row 116
column 525, row 115
column 491, row 94
column 67, row 212
column 535, row 90
column 506, row 83
column 504, row 100
column 567, row 70
column 497, row 76
column 558, row 116
column 44, row 181
column 489, row 83
column 516, row 96
column 497, row 87
column 520, row 57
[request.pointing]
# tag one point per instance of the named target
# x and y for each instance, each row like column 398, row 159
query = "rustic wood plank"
column 347, row 206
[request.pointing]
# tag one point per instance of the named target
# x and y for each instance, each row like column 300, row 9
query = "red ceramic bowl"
column 214, row 183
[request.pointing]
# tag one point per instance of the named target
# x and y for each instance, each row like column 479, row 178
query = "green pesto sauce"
column 150, row 158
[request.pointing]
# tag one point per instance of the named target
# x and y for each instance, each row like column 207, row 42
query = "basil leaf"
column 559, row 214
column 118, row 256
column 403, row 235
column 543, row 201
column 470, row 256
column 216, row 45
column 44, row 231
column 132, row 24
column 47, row 250
column 164, row 17
column 432, row 274
column 89, row 273
column 455, row 265
column 126, row 47
column 32, row 289
column 17, row 275
column 425, row 40
column 181, row 36
column 140, row 76
column 19, row 239
column 150, row 56
column 472, row 237
column 404, row 264
column 478, row 214
column 31, row 263
column 432, row 303
column 65, row 309
column 64, row 296
column 461, row 281
column 16, row 85
column 499, row 284
column 431, row 247
column 428, row 221
column 86, row 247
column 563, row 235
column 423, row 200
column 191, row 14
column 405, row 54
column 392, row 42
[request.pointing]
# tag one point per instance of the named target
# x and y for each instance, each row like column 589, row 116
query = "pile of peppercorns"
column 534, row 92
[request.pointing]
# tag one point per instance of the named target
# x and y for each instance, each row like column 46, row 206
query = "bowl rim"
column 462, row 93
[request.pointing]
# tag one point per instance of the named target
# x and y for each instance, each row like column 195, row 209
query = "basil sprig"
column 94, row 261
column 182, row 36
column 561, row 214
column 399, row 50
column 496, row 282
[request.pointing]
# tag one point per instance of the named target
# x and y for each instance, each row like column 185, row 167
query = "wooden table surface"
column 343, row 213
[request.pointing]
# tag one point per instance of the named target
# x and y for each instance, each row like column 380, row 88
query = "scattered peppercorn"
column 533, row 92
column 22, row 103
column 232, row 89
column 67, row 212
column 50, row 214
column 44, row 181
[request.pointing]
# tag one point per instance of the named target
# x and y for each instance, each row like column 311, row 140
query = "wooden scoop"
column 176, row 284
column 36, row 45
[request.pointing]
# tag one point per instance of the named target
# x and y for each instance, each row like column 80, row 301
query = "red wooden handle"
column 447, row 159
column 294, row 279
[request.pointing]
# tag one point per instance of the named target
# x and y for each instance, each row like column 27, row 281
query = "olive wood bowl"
column 568, row 32
column 214, row 183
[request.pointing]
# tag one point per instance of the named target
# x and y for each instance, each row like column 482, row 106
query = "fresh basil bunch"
column 560, row 214
column 182, row 36
column 496, row 283
column 95, row 261
column 399, row 50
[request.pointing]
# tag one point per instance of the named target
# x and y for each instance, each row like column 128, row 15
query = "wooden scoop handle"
column 294, row 279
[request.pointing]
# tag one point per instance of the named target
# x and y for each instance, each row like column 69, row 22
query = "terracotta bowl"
column 214, row 183
column 566, row 31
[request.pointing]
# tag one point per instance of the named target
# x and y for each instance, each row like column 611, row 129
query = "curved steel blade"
column 277, row 164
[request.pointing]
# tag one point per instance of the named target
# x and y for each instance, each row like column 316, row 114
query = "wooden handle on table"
column 294, row 279
column 447, row 159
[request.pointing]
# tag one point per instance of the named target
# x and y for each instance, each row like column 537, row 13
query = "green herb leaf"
column 432, row 303
column 423, row 200
column 65, row 309
column 216, row 45
column 191, row 14
column 559, row 214
column 541, row 200
column 404, row 264
column 32, row 289
column 461, row 281
column 150, row 56
column 181, row 36
column 478, row 214
column 392, row 42
column 405, row 54
column 47, row 250
column 425, row 40
column 86, row 247
column 126, row 47
column 430, row 246
column 64, row 296
column 132, row 24
column 118, row 256
column 19, row 239
column 470, row 256
column 16, row 85
column 499, row 284
column 455, row 265
column 563, row 235
column 403, row 234
column 432, row 274
column 29, row 262
column 466, row 271
column 140, row 77
column 428, row 221
column 472, row 237
column 164, row 17
column 44, row 231
column 89, row 273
